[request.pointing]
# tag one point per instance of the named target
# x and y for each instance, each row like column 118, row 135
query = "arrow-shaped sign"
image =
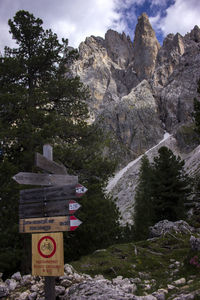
column 80, row 190
column 44, row 179
column 74, row 223
column 73, row 206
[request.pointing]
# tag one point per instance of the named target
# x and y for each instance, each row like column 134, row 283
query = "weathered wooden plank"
column 50, row 224
column 48, row 209
column 44, row 179
column 50, row 166
column 48, row 194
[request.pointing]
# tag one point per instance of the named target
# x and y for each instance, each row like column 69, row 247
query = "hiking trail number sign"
column 47, row 254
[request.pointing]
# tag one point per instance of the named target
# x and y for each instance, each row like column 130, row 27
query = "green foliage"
column 40, row 102
column 100, row 226
column 161, row 192
column 170, row 186
column 143, row 210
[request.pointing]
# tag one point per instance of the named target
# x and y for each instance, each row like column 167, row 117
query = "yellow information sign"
column 47, row 254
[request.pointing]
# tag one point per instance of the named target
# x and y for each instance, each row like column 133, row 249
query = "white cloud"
column 181, row 17
column 158, row 3
column 69, row 19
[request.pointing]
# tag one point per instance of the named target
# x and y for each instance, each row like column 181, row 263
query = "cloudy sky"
column 77, row 19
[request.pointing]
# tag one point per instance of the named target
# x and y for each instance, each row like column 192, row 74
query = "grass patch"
column 150, row 259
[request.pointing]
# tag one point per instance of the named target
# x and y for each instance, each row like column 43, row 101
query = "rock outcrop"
column 164, row 227
column 114, row 69
column 145, row 47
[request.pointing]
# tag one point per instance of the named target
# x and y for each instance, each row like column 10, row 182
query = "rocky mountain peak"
column 119, row 47
column 195, row 34
column 145, row 48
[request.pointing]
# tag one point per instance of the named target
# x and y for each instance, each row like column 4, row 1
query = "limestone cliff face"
column 176, row 88
column 119, row 48
column 146, row 48
column 133, row 123
column 168, row 58
column 139, row 89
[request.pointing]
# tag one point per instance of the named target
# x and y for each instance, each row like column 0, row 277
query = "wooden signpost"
column 46, row 212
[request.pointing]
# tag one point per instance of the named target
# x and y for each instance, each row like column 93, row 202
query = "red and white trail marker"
column 74, row 223
column 73, row 206
column 80, row 190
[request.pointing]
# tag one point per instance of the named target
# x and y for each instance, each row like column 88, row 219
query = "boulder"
column 195, row 243
column 165, row 226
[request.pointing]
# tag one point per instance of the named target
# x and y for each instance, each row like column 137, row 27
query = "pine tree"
column 170, row 186
column 143, row 210
column 40, row 102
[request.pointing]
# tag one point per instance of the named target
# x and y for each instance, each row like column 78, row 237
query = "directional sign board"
column 48, row 208
column 49, row 165
column 66, row 192
column 44, row 179
column 47, row 254
column 48, row 224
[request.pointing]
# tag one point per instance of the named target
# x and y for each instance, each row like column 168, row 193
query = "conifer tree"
column 40, row 102
column 170, row 186
column 143, row 210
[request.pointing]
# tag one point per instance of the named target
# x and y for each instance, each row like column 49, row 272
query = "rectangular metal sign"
column 47, row 254
column 48, row 224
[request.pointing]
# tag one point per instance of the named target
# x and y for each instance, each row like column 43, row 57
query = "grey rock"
column 165, row 226
column 24, row 296
column 60, row 290
column 4, row 291
column 160, row 294
column 32, row 296
column 66, row 283
column 147, row 297
column 180, row 281
column 17, row 276
column 12, row 284
column 195, row 243
column 26, row 279
column 35, row 288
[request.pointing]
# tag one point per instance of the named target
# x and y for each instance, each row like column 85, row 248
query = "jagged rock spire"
column 146, row 47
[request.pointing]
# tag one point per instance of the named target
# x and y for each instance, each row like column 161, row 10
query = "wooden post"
column 49, row 284
column 49, row 288
column 48, row 151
